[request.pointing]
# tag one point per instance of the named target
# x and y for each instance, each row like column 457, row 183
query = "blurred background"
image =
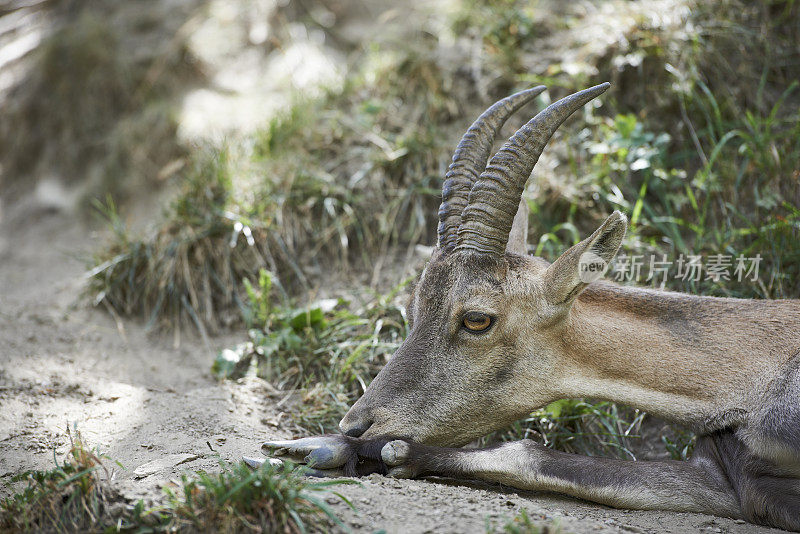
column 275, row 167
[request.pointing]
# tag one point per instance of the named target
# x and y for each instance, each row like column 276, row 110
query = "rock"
column 162, row 464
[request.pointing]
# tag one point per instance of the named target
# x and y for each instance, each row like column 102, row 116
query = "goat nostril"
column 357, row 430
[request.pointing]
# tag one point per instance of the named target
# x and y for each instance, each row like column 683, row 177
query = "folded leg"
column 697, row 486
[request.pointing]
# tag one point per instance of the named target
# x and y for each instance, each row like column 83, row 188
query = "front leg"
column 697, row 486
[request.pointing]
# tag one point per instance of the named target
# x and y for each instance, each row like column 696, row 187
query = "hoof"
column 327, row 458
column 395, row 452
column 322, row 452
column 402, row 471
column 255, row 463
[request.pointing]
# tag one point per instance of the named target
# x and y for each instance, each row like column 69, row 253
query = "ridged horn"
column 494, row 199
column 469, row 160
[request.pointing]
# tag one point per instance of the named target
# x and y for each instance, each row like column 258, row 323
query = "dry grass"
column 303, row 195
column 90, row 112
column 191, row 269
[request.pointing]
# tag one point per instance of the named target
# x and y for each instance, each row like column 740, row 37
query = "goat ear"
column 585, row 262
column 518, row 237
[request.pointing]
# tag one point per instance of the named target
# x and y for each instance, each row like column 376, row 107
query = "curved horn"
column 494, row 199
column 469, row 160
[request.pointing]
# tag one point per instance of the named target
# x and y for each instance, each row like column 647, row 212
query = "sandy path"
column 155, row 409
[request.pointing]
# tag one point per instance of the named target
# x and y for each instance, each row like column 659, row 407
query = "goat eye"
column 477, row 322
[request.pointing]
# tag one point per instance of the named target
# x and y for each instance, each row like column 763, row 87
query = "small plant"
column 68, row 498
column 681, row 445
column 579, row 426
column 239, row 499
column 523, row 524
column 326, row 349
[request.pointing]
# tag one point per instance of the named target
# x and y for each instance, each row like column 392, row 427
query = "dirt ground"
column 151, row 404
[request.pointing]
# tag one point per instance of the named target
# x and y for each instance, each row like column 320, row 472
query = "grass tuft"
column 68, row 498
column 238, row 499
column 523, row 524
column 579, row 426
column 189, row 272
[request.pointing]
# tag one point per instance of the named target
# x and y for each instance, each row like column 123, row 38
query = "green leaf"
column 309, row 318
column 231, row 364
column 554, row 409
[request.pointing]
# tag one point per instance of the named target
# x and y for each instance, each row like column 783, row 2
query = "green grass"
column 74, row 497
column 239, row 499
column 680, row 445
column 71, row 497
column 330, row 350
column 580, row 426
column 523, row 524
column 723, row 206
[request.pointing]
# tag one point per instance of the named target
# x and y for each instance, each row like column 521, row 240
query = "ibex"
column 496, row 333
